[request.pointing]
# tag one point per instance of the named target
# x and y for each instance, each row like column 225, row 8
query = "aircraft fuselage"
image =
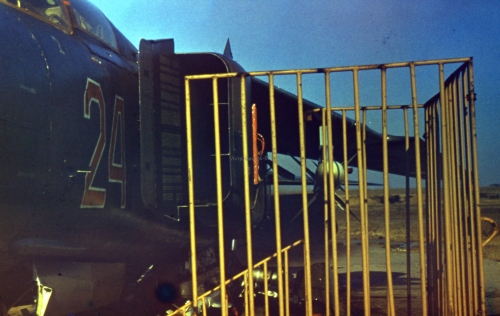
column 70, row 150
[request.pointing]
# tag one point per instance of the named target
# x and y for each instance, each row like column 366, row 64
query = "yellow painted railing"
column 440, row 208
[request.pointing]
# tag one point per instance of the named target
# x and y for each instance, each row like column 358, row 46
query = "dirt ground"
column 489, row 205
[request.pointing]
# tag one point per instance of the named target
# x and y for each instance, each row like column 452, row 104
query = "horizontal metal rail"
column 263, row 263
column 331, row 69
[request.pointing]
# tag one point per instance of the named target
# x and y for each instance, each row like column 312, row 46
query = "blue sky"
column 284, row 34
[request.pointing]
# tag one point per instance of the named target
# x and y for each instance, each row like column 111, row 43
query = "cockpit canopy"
column 80, row 14
column 92, row 20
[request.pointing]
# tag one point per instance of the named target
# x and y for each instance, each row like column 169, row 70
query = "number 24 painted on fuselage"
column 94, row 197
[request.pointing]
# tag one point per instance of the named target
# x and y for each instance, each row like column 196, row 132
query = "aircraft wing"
column 401, row 161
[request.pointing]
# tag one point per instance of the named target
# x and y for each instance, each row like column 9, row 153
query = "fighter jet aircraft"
column 93, row 186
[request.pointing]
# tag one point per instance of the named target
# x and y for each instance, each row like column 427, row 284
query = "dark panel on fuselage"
column 163, row 151
column 24, row 108
column 163, row 130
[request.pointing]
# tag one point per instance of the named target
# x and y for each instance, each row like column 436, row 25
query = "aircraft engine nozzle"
column 338, row 173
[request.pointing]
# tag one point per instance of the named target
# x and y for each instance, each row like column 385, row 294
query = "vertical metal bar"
column 474, row 234
column 418, row 169
column 364, row 185
column 467, row 206
column 429, row 184
column 347, row 214
column 220, row 211
column 452, row 210
column 331, row 186
column 472, row 223
column 468, row 194
column 364, row 121
column 438, row 213
column 247, row 296
column 266, row 289
column 433, row 214
column 362, row 206
column 287, row 284
column 458, row 209
column 204, row 306
column 477, row 208
column 432, row 186
column 255, row 151
column 246, row 180
column 387, row 212
column 277, row 213
column 456, row 198
column 464, row 231
column 408, row 214
column 440, row 246
column 192, row 227
column 461, row 251
column 303, row 173
column 326, row 216
column 449, row 299
column 460, row 188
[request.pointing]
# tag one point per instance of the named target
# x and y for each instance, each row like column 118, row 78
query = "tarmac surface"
column 378, row 279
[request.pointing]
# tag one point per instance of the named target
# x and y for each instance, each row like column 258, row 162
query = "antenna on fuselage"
column 227, row 50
